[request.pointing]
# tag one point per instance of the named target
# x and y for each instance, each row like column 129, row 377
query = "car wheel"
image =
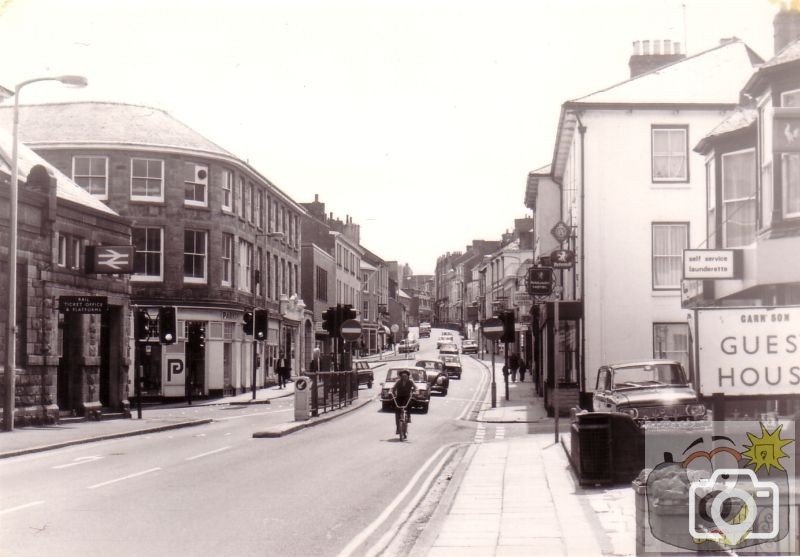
column 425, row 408
column 444, row 392
column 385, row 406
column 369, row 385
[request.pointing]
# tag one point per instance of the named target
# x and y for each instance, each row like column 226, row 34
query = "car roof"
column 635, row 363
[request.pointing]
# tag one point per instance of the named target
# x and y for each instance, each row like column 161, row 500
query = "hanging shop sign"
column 712, row 263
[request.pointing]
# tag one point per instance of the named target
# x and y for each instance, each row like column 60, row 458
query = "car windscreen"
column 450, row 359
column 416, row 375
column 429, row 364
column 649, row 375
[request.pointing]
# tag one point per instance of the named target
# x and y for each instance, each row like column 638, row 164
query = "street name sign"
column 492, row 328
column 109, row 260
column 82, row 304
column 351, row 329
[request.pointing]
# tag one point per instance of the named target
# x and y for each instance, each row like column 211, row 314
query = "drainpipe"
column 582, row 131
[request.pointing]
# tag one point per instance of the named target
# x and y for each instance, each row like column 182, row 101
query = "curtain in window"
column 669, row 154
column 791, row 183
column 669, row 241
column 739, row 196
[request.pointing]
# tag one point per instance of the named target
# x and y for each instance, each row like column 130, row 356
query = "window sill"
column 666, row 293
column 138, row 278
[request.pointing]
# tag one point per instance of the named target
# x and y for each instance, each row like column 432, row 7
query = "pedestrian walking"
column 283, row 370
column 523, row 369
column 513, row 365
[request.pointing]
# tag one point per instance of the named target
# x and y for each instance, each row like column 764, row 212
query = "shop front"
column 558, row 357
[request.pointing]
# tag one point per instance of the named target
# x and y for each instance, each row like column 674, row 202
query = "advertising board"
column 749, row 351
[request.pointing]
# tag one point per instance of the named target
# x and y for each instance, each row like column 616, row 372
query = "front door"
column 70, row 333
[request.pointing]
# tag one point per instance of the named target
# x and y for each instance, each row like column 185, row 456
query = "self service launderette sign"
column 749, row 351
column 710, row 264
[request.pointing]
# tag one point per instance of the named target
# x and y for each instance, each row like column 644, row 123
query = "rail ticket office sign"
column 82, row 304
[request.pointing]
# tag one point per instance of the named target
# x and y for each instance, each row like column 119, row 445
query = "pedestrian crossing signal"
column 260, row 319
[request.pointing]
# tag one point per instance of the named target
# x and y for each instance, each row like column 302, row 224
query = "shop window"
column 790, row 98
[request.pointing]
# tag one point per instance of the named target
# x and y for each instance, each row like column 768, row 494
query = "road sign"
column 82, row 304
column 395, row 328
column 351, row 329
column 109, row 260
column 492, row 328
column 562, row 259
column 560, row 231
column 540, row 281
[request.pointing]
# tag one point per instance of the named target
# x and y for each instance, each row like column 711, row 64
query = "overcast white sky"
column 420, row 119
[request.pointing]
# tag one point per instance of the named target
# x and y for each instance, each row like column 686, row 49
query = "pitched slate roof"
column 710, row 77
column 740, row 119
column 65, row 188
column 107, row 124
column 789, row 53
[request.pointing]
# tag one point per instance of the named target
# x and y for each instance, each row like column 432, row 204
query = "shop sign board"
column 540, row 281
column 82, row 304
column 786, row 132
column 560, row 231
column 748, row 351
column 711, row 264
column 562, row 259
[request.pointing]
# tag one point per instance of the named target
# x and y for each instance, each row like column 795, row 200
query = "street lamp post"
column 11, row 325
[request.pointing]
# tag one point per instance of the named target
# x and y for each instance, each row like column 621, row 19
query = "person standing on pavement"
column 282, row 369
column 513, row 365
column 523, row 368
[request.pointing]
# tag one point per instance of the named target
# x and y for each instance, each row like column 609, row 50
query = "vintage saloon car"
column 469, row 347
column 364, row 372
column 444, row 338
column 647, row 390
column 448, row 348
column 452, row 365
column 420, row 399
column 437, row 377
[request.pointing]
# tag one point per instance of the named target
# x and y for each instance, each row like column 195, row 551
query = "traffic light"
column 197, row 336
column 507, row 317
column 247, row 325
column 260, row 319
column 167, row 325
column 141, row 325
column 348, row 313
column 329, row 321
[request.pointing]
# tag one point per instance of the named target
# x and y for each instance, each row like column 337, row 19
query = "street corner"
column 283, row 429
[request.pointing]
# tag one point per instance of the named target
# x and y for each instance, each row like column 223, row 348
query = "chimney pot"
column 637, row 48
column 656, row 47
column 316, row 198
column 645, row 47
column 676, row 47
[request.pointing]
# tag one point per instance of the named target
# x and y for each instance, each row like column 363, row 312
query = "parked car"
column 647, row 390
column 424, row 330
column 406, row 346
column 365, row 373
column 420, row 399
column 452, row 365
column 469, row 347
column 437, row 377
column 448, row 348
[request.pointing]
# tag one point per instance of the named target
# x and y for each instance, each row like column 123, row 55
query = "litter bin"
column 302, row 398
column 591, row 447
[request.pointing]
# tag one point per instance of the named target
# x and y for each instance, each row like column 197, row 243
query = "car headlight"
column 696, row 410
column 632, row 412
column 440, row 380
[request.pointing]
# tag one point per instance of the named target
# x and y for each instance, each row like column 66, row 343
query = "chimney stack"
column 645, row 58
column 786, row 26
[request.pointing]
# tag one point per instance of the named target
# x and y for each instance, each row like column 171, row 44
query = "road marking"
column 500, row 432
column 474, row 400
column 208, row 453
column 369, row 530
column 253, row 414
column 78, row 461
column 20, row 507
column 124, row 478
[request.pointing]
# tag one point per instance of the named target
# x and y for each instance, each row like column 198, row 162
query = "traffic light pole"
column 508, row 371
column 494, row 383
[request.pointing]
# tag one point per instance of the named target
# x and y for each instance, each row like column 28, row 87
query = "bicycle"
column 402, row 424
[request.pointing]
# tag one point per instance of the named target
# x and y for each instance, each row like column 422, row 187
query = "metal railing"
column 331, row 390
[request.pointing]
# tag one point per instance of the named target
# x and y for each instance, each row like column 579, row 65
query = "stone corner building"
column 67, row 363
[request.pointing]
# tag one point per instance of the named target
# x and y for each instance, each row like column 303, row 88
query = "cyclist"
column 402, row 390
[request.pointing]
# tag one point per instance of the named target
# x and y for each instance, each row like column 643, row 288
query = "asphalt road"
column 342, row 487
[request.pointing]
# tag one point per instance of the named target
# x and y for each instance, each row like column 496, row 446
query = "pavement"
column 518, row 496
column 510, row 496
